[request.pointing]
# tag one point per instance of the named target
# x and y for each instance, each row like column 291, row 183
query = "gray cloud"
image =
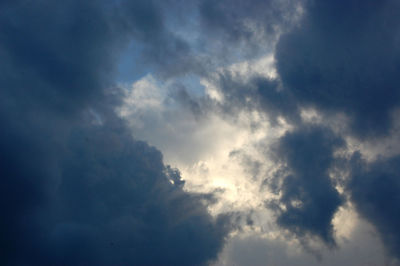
column 341, row 58
column 344, row 57
column 374, row 188
column 309, row 198
column 75, row 187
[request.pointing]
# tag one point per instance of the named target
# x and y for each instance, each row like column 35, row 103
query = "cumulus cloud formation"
column 281, row 116
column 76, row 188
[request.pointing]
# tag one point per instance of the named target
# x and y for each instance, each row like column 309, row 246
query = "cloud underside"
column 77, row 189
column 344, row 58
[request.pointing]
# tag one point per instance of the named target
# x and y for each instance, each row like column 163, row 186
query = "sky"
column 200, row 132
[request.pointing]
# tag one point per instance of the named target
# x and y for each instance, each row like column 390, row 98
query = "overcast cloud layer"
column 281, row 116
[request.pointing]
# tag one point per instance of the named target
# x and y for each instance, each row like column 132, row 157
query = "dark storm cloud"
column 374, row 188
column 52, row 50
column 345, row 57
column 108, row 202
column 308, row 195
column 75, row 188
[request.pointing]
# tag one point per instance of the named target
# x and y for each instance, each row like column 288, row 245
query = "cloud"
column 374, row 188
column 340, row 60
column 243, row 21
column 76, row 188
column 220, row 81
column 343, row 57
column 362, row 248
column 308, row 198
column 112, row 204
